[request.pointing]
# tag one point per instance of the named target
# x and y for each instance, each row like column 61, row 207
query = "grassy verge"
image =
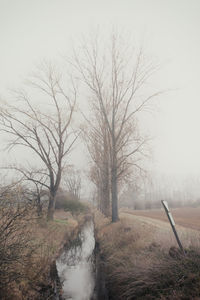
column 137, row 266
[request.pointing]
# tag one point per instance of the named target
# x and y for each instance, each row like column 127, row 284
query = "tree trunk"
column 106, row 179
column 115, row 216
column 39, row 210
column 51, row 207
column 114, row 179
column 106, row 202
column 106, row 194
column 39, row 206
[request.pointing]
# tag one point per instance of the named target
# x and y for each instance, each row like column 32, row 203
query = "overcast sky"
column 31, row 30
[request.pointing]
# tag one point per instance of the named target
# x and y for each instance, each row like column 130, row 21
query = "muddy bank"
column 101, row 290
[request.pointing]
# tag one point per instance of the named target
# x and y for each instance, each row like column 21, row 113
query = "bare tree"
column 43, row 127
column 117, row 76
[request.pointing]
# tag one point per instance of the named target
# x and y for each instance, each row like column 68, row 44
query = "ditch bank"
column 134, row 266
column 101, row 290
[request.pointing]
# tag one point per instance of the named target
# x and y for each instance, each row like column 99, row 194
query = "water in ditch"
column 76, row 266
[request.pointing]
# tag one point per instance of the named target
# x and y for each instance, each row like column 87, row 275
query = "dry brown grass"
column 137, row 264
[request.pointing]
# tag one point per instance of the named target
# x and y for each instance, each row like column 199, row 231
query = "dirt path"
column 188, row 217
column 162, row 232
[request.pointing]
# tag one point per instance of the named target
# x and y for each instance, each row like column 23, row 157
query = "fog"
column 170, row 31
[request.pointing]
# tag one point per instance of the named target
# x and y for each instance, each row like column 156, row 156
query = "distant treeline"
column 138, row 204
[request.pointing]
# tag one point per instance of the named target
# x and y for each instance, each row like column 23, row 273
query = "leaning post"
column 172, row 223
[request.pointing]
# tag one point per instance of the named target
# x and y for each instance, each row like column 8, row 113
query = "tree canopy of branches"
column 116, row 75
column 44, row 126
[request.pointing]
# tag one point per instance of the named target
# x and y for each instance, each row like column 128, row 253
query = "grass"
column 141, row 262
column 60, row 221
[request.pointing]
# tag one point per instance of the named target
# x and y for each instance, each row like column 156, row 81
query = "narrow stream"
column 76, row 266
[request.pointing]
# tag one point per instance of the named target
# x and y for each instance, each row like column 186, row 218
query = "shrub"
column 69, row 202
column 75, row 207
column 16, row 245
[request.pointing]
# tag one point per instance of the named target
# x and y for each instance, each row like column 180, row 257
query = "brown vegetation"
column 28, row 246
column 137, row 267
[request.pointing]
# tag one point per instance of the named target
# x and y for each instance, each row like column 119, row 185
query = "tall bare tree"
column 44, row 126
column 116, row 75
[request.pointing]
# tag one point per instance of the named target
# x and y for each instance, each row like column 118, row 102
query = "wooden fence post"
column 171, row 220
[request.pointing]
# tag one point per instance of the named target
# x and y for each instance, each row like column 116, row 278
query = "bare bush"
column 16, row 245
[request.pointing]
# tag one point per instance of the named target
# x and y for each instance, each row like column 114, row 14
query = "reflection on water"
column 75, row 266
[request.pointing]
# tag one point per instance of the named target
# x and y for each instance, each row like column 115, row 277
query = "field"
column 187, row 217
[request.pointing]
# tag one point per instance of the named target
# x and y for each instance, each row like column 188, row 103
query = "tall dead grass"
column 137, row 266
